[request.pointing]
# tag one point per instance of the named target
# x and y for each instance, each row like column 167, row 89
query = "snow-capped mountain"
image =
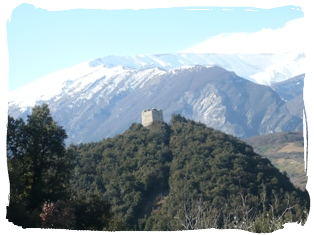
column 260, row 68
column 291, row 91
column 290, row 88
column 220, row 82
column 103, row 97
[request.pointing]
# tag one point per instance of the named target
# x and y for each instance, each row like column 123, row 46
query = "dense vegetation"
column 40, row 168
column 148, row 174
column 286, row 152
column 165, row 177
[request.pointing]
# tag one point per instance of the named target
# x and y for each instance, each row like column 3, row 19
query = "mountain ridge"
column 260, row 68
column 102, row 97
column 209, row 94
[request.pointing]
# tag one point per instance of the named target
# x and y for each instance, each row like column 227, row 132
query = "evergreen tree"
column 7, row 125
column 45, row 163
column 14, row 218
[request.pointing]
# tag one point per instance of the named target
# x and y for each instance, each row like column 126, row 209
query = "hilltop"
column 156, row 177
column 177, row 176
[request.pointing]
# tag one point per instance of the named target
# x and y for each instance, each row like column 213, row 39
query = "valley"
column 286, row 152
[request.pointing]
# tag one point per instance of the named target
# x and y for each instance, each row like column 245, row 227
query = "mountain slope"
column 259, row 68
column 103, row 97
column 285, row 151
column 290, row 88
column 302, row 106
column 291, row 91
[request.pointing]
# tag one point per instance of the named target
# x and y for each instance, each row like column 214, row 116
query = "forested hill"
column 178, row 178
column 185, row 176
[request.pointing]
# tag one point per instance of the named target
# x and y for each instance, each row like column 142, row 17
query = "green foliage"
column 149, row 174
column 5, row 121
column 129, row 169
column 14, row 217
column 219, row 169
column 117, row 224
column 45, row 163
column 7, row 130
column 91, row 211
column 162, row 177
column 38, row 165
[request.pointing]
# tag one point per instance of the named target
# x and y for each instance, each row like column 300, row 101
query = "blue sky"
column 41, row 41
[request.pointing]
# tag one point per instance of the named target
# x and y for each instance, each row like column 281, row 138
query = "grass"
column 291, row 147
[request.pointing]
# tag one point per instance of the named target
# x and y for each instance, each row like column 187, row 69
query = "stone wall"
column 150, row 115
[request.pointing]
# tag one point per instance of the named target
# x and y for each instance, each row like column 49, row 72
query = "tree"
column 57, row 215
column 46, row 166
column 14, row 217
column 7, row 175
column 117, row 224
column 92, row 212
column 7, row 125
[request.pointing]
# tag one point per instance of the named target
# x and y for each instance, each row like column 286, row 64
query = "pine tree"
column 46, row 153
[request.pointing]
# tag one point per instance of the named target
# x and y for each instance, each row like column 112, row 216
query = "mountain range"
column 240, row 94
column 291, row 91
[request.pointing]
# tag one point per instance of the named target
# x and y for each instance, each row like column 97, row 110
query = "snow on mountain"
column 102, row 97
column 51, row 85
column 285, row 47
column 94, row 102
column 291, row 88
column 130, row 72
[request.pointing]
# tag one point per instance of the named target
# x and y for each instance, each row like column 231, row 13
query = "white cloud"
column 289, row 38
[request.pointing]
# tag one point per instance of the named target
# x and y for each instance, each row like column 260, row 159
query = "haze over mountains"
column 291, row 37
column 103, row 97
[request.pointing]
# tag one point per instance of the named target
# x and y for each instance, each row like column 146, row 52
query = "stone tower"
column 150, row 115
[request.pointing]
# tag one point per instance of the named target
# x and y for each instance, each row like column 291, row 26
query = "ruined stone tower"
column 150, row 115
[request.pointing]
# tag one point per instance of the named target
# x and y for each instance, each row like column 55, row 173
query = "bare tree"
column 55, row 215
